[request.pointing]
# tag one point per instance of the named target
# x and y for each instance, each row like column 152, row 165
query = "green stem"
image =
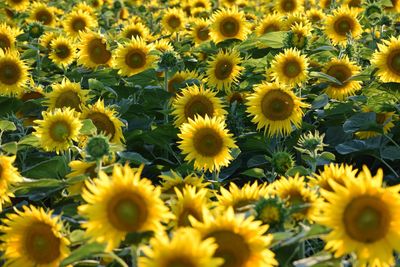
column 166, row 89
column 118, row 259
column 391, row 140
column 134, row 261
column 386, row 164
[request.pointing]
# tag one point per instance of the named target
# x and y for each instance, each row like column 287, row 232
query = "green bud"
column 97, row 147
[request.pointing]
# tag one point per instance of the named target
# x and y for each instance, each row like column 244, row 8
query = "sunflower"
column 342, row 69
column 357, row 4
column 8, row 36
column 135, row 30
column 387, row 60
column 315, row 16
column 206, row 4
column 229, row 3
column 194, row 101
column 200, row 31
column 290, row 67
column 297, row 18
column 84, row 7
column 133, row 57
column 33, row 237
column 42, row 13
column 270, row 23
column 67, row 94
column 228, row 24
column 105, row 120
column 62, row 51
column 341, row 23
column 242, row 242
column 79, row 168
column 325, row 4
column 119, row 204
column 13, row 73
column 175, row 180
column 78, row 21
column 338, row 173
column 180, row 77
column 275, row 108
column 163, row 45
column 57, row 129
column 385, row 119
column 300, row 35
column 364, row 218
column 173, row 20
column 46, row 39
column 185, row 248
column 93, row 50
column 288, row 6
column 18, row 5
column 395, row 6
column 9, row 176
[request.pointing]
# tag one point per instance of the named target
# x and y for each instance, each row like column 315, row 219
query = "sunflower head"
column 18, row 5
column 8, row 36
column 174, row 181
column 78, row 21
column 311, row 143
column 271, row 23
column 282, row 161
column 332, row 172
column 200, row 31
column 342, row 23
column 173, row 20
column 288, row 6
column 62, row 51
column 135, row 30
column 42, row 13
column 98, row 147
column 93, row 50
column 271, row 211
column 13, row 73
column 9, row 176
column 387, row 60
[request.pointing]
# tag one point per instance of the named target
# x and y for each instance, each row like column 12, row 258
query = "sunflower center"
column 133, row 33
column 10, row 72
column 291, row 68
column 31, row 95
column 393, row 61
column 44, row 16
column 41, row 244
column 340, row 72
column 231, row 247
column 207, row 142
column 174, row 22
column 79, row 24
column 127, row 212
column 183, row 219
column 343, row 26
column 199, row 105
column 174, row 82
column 59, row 131
column 366, row 219
column 288, row 5
column 277, row 105
column 102, row 123
column 68, row 99
column 98, row 52
column 62, row 51
column 270, row 28
column 354, row 3
column 203, row 33
column 270, row 214
column 5, row 42
column 135, row 59
column 180, row 263
column 229, row 27
column 223, row 69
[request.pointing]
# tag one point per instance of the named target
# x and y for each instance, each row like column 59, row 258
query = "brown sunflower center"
column 236, row 96
column 288, row 5
column 344, row 25
column 366, row 219
column 203, row 33
column 78, row 24
column 291, row 68
column 5, row 41
column 44, row 16
column 62, row 51
column 381, row 118
column 340, row 72
column 10, row 72
column 31, row 95
column 102, row 123
column 393, row 61
column 68, row 99
column 98, row 52
column 207, row 142
column 59, row 131
column 174, row 22
column 127, row 212
column 277, row 105
column 41, row 245
column 229, row 27
column 135, row 59
column 199, row 105
column 231, row 247
column 354, row 3
column 175, row 81
column 270, row 28
column 199, row 4
column 133, row 33
column 182, row 262
column 183, row 218
column 223, row 69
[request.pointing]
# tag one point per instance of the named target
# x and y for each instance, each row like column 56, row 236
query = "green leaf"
column 391, row 153
column 298, row 169
column 328, row 156
column 10, row 147
column 29, row 140
column 55, row 167
column 88, row 128
column 134, row 157
column 319, row 258
column 254, row 172
column 40, row 183
column 320, row 101
column 273, row 39
column 7, row 126
column 354, row 146
column 325, row 77
column 85, row 251
column 365, row 121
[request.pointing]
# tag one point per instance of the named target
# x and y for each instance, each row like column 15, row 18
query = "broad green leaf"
column 324, row 77
column 10, row 147
column 365, row 121
column 133, row 157
column 85, row 251
column 391, row 152
column 88, row 128
column 254, row 172
column 7, row 126
column 55, row 167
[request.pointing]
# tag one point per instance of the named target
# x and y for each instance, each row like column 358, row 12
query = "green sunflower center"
column 223, row 69
column 62, row 51
column 207, row 142
column 344, row 25
column 98, row 52
column 10, row 72
column 59, row 131
column 340, row 72
column 68, row 98
column 292, row 68
column 78, row 24
column 174, row 22
column 5, row 41
column 393, row 61
column 277, row 105
column 44, row 16
column 103, row 123
column 270, row 214
column 367, row 219
column 288, row 5
column 203, row 33
column 229, row 27
column 135, row 59
column 199, row 105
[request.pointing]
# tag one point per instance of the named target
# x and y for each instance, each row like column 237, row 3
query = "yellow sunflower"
column 133, row 57
column 135, row 30
column 105, row 120
column 325, row 4
column 173, row 20
column 194, row 101
column 297, row 18
column 341, row 23
column 9, row 176
column 300, row 36
column 207, row 142
column 43, row 13
column 200, row 31
column 67, row 94
column 206, row 4
column 78, row 21
column 387, row 60
column 181, row 76
column 57, row 129
column 8, row 36
column 223, row 70
column 163, row 45
column 335, row 172
column 275, row 109
column 242, row 242
column 83, row 6
column 93, row 50
column 18, row 5
column 364, row 219
column 385, row 119
column 13, row 73
column 395, row 6
column 46, row 39
column 342, row 69
column 290, row 67
column 288, row 6
column 270, row 23
column 79, row 168
column 315, row 16
column 62, row 51
column 228, row 24
column 119, row 204
column 33, row 237
column 358, row 4
column 185, row 248
column 175, row 180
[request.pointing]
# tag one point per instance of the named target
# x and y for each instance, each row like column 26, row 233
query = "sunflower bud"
column 97, row 147
column 270, row 211
column 282, row 161
column 35, row 30
column 168, row 60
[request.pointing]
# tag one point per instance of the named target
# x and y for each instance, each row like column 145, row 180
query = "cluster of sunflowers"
column 257, row 125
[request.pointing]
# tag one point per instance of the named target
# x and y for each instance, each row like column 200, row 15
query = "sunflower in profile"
column 335, row 172
column 18, row 5
column 57, row 129
column 9, row 176
column 275, row 108
column 290, row 67
column 42, row 13
column 8, row 36
column 200, row 31
column 133, row 57
column 175, row 180
column 342, row 69
column 78, row 21
column 193, row 101
column 33, row 237
column 105, row 120
column 270, row 23
column 185, row 248
column 79, row 168
column 173, row 20
column 364, row 219
column 341, row 23
column 387, row 60
column 207, row 142
column 62, row 51
column 176, row 81
column 299, row 35
column 241, row 241
column 135, row 30
column 163, row 45
column 384, row 119
column 228, row 24
column 297, row 18
column 13, row 73
column 288, row 6
column 119, row 204
column 67, row 94
column 223, row 70
column 93, row 50
column 83, row 6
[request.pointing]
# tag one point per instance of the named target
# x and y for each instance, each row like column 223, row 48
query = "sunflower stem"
column 166, row 89
column 134, row 255
column 118, row 259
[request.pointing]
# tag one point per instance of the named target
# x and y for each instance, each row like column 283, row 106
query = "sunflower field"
column 199, row 133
